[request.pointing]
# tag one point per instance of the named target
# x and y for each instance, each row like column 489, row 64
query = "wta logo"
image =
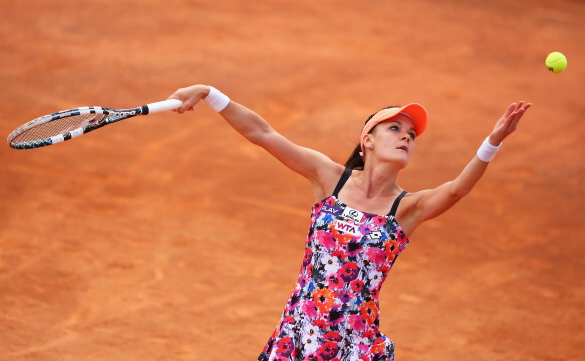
column 346, row 227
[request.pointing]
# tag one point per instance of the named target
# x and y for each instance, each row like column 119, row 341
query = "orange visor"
column 414, row 111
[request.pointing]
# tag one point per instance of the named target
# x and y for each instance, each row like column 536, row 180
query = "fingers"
column 187, row 106
column 521, row 106
column 177, row 95
column 511, row 109
column 516, row 110
column 189, row 100
column 515, row 116
column 509, row 121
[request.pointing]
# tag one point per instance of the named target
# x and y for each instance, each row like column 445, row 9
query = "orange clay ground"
column 171, row 238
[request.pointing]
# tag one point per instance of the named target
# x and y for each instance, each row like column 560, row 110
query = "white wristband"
column 486, row 151
column 216, row 99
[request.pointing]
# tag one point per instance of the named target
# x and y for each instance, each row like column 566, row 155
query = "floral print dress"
column 333, row 311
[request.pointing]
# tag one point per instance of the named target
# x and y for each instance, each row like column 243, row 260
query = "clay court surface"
column 171, row 238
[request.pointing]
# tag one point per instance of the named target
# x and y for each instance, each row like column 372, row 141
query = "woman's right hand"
column 190, row 96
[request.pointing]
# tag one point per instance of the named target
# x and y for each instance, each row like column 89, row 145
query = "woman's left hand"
column 508, row 122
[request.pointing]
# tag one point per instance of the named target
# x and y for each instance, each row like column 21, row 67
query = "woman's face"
column 393, row 139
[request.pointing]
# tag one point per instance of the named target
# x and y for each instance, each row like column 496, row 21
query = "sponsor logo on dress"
column 352, row 214
column 346, row 227
column 376, row 235
column 331, row 210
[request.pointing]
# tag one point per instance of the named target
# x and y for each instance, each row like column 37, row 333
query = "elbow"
column 259, row 136
column 457, row 192
column 460, row 193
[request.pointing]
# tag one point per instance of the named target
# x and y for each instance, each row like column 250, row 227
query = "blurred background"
column 171, row 238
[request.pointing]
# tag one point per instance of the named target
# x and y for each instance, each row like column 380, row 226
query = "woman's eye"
column 412, row 135
column 394, row 127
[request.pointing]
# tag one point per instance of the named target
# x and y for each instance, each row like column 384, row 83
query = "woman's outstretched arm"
column 313, row 165
column 431, row 203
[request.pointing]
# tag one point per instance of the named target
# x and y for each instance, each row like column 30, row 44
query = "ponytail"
column 355, row 160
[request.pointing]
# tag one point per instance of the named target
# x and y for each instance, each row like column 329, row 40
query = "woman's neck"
column 379, row 181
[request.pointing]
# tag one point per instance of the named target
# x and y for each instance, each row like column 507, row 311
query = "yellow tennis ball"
column 556, row 62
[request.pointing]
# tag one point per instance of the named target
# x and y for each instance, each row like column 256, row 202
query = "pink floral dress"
column 333, row 311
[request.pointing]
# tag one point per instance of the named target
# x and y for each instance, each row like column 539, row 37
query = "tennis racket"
column 68, row 124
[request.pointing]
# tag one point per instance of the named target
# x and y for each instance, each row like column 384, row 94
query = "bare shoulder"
column 328, row 177
column 408, row 204
column 409, row 213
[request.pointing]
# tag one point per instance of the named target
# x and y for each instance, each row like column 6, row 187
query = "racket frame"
column 109, row 116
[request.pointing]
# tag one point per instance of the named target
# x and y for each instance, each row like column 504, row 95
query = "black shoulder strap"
column 396, row 202
column 342, row 180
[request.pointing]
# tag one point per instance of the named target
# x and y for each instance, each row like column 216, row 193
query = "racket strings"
column 56, row 127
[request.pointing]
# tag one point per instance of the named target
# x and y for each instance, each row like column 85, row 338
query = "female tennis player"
column 360, row 223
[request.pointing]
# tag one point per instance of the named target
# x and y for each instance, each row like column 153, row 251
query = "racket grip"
column 168, row 104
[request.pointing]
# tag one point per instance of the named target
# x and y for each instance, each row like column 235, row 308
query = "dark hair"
column 355, row 160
